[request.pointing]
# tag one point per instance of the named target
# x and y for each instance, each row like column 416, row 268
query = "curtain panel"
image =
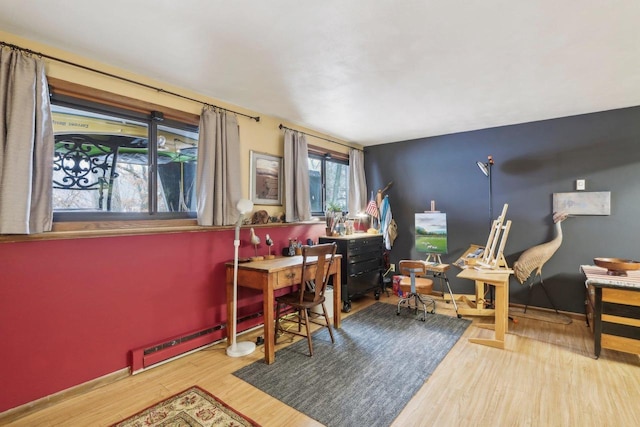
column 26, row 145
column 297, row 203
column 218, row 170
column 357, row 183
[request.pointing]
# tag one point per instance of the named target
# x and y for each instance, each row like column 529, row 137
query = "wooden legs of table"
column 473, row 305
column 337, row 297
column 264, row 276
column 269, row 329
column 501, row 322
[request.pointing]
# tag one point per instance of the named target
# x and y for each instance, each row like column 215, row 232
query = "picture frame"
column 266, row 179
column 583, row 203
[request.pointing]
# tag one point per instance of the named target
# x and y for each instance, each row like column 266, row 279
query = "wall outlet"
column 392, row 267
column 580, row 184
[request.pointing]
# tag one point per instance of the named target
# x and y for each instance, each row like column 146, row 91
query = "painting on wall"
column 266, row 179
column 431, row 232
column 583, row 203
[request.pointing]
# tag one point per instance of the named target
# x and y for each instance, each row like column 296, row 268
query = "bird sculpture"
column 269, row 243
column 255, row 241
column 535, row 257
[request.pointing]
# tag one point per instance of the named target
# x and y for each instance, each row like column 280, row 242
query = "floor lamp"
column 486, row 170
column 237, row 349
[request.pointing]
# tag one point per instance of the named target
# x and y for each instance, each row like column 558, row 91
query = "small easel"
column 438, row 270
column 493, row 257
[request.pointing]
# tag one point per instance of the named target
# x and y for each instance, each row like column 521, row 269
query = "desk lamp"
column 485, row 168
column 243, row 348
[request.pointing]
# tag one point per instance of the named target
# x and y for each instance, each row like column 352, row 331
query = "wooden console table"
column 500, row 280
column 613, row 305
column 268, row 276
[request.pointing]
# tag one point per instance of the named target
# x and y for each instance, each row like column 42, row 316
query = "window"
column 104, row 166
column 329, row 182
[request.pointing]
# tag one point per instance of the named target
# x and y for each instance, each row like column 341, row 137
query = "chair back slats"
column 316, row 264
column 315, row 276
column 418, row 268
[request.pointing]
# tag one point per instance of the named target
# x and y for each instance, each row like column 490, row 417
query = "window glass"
column 315, row 184
column 103, row 163
column 329, row 184
column 177, row 154
column 337, row 184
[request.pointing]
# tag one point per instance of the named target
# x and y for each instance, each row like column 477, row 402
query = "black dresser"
column 362, row 265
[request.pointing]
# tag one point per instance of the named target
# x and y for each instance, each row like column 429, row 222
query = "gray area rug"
column 378, row 362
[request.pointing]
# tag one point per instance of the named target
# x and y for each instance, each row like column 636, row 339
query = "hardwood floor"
column 546, row 376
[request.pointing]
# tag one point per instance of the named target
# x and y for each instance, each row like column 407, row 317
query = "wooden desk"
column 267, row 276
column 501, row 282
column 613, row 303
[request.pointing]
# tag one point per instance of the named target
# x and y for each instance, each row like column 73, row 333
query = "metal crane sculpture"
column 536, row 256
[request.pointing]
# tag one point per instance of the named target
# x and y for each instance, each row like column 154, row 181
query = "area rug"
column 378, row 362
column 193, row 407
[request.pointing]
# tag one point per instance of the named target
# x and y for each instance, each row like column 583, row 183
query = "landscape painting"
column 583, row 203
column 431, row 232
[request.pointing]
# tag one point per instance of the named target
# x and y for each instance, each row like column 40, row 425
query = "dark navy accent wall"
column 532, row 161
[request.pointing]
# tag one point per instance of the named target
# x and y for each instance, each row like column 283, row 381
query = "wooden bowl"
column 617, row 266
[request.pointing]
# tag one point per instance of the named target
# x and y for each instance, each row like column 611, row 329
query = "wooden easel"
column 492, row 261
column 493, row 257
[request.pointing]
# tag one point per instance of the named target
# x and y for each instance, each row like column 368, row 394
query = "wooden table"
column 500, row 280
column 268, row 276
column 614, row 304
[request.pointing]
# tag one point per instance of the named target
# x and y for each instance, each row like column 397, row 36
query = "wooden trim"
column 621, row 296
column 14, row 414
column 63, row 87
column 321, row 151
column 628, row 345
column 621, row 320
column 121, row 225
column 570, row 314
column 82, row 230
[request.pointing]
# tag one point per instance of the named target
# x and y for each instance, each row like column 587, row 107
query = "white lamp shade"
column 244, row 206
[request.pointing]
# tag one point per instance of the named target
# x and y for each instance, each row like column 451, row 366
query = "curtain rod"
column 104, row 73
column 319, row 137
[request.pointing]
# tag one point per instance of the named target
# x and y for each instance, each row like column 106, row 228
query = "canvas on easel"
column 431, row 234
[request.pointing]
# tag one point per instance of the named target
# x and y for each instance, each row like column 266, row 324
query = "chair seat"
column 293, row 299
column 423, row 285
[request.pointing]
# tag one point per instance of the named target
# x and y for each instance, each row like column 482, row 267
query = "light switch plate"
column 580, row 184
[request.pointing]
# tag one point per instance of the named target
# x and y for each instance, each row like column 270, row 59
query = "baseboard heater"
column 147, row 356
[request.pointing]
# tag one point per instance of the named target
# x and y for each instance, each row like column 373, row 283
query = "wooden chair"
column 417, row 287
column 313, row 284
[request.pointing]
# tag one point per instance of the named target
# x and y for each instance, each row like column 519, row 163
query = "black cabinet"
column 362, row 265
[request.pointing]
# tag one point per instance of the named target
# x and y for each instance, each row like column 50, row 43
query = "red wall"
column 72, row 310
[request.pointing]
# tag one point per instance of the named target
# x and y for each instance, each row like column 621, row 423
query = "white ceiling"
column 365, row 71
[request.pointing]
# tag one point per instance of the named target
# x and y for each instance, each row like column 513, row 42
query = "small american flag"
column 372, row 209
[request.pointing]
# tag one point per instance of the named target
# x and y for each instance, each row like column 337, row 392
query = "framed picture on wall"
column 266, row 179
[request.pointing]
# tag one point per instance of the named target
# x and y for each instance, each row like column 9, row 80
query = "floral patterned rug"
column 193, row 407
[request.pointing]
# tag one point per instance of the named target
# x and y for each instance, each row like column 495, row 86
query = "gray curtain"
column 218, row 170
column 357, row 182
column 26, row 145
column 297, row 203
